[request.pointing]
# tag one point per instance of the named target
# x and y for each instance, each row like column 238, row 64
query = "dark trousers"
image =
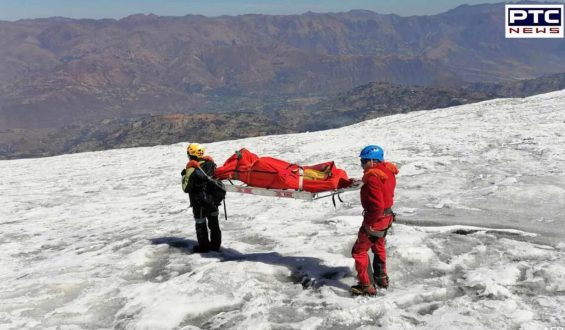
column 204, row 220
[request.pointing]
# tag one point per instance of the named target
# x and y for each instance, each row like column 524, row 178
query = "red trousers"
column 359, row 253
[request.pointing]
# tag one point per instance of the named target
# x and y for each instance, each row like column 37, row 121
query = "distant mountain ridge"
column 364, row 102
column 55, row 72
column 379, row 99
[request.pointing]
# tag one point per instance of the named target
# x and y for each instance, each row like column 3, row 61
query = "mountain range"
column 369, row 101
column 66, row 81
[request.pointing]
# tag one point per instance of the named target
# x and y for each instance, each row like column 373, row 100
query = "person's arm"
column 375, row 198
column 186, row 182
column 193, row 175
column 209, row 167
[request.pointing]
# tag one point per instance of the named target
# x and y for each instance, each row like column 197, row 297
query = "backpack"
column 217, row 191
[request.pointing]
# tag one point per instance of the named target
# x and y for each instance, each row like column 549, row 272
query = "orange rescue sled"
column 268, row 176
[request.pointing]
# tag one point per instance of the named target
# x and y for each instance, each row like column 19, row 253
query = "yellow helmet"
column 195, row 149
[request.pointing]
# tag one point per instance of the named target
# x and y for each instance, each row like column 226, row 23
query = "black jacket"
column 196, row 183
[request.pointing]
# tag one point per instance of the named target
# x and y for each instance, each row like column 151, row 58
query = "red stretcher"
column 268, row 176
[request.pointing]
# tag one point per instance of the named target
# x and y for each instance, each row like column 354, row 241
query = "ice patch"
column 491, row 283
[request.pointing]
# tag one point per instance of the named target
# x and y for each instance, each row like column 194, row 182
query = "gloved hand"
column 193, row 163
column 183, row 172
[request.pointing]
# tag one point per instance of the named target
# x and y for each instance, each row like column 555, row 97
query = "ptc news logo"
column 534, row 21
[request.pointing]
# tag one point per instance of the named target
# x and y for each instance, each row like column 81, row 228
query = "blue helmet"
column 373, row 152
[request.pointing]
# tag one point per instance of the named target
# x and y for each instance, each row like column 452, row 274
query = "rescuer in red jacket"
column 377, row 198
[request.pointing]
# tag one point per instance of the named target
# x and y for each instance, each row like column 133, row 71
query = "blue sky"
column 11, row 10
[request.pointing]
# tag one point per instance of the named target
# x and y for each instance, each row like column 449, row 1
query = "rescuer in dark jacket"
column 196, row 182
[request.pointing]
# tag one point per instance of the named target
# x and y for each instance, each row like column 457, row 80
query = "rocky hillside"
column 147, row 131
column 56, row 72
column 295, row 115
column 379, row 99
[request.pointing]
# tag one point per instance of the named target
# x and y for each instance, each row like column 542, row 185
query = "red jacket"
column 377, row 194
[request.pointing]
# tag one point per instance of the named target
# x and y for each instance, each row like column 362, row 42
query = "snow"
column 100, row 240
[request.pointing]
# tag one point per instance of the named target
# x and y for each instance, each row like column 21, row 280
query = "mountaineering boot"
column 381, row 281
column 363, row 290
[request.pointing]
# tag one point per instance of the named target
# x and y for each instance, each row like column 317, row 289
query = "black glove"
column 183, row 172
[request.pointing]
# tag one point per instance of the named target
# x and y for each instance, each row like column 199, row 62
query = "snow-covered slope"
column 99, row 240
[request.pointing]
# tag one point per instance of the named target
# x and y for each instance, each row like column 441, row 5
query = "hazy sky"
column 11, row 10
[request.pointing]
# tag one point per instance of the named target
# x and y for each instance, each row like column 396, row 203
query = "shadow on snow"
column 308, row 271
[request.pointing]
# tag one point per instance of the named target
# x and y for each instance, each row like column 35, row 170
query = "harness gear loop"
column 380, row 233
